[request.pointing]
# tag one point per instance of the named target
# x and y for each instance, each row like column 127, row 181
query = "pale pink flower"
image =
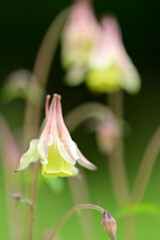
column 57, row 151
column 110, row 66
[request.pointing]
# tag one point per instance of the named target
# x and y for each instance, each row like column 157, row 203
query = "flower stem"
column 33, row 199
column 80, row 194
column 75, row 208
column 146, row 167
column 85, row 111
column 40, row 74
column 116, row 159
column 117, row 166
column 79, row 185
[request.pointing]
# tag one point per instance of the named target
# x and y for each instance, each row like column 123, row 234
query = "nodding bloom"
column 110, row 66
column 78, row 38
column 55, row 148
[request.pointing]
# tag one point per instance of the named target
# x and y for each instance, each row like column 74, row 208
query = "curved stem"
column 75, row 208
column 78, row 186
column 40, row 74
column 80, row 194
column 146, row 167
column 87, row 110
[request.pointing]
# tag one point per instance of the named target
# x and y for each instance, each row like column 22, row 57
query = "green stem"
column 40, row 73
column 146, row 167
column 75, row 208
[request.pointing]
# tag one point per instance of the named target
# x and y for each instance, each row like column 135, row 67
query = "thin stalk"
column 116, row 159
column 80, row 194
column 75, row 208
column 33, row 200
column 117, row 166
column 79, row 185
column 40, row 72
column 146, row 167
column 85, row 111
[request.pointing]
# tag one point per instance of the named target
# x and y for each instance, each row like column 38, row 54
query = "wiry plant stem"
column 33, row 200
column 117, row 166
column 40, row 75
column 146, row 167
column 75, row 208
column 116, row 159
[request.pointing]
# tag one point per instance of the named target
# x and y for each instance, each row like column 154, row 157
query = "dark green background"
column 22, row 26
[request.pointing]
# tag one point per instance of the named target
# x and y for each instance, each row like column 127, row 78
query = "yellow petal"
column 56, row 165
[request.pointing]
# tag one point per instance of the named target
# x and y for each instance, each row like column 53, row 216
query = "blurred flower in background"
column 95, row 52
column 78, row 38
column 110, row 68
column 10, row 148
column 18, row 84
column 107, row 134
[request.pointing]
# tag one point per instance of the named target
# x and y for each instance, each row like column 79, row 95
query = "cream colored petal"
column 68, row 151
column 30, row 156
column 75, row 171
column 132, row 82
column 84, row 162
column 43, row 148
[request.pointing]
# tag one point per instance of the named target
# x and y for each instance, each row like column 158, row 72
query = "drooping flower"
column 78, row 38
column 110, row 66
column 55, row 148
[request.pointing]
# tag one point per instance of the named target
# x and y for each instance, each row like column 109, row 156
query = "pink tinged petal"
column 30, row 156
column 50, row 128
column 47, row 106
column 68, row 152
column 42, row 148
column 114, row 38
column 84, row 162
column 53, row 118
column 67, row 147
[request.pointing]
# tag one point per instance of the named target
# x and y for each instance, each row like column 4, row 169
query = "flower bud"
column 78, row 38
column 107, row 135
column 109, row 225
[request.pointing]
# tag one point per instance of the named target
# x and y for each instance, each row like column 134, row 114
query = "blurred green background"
column 22, row 26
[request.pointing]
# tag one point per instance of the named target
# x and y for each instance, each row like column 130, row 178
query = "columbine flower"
column 110, row 66
column 55, row 148
column 78, row 38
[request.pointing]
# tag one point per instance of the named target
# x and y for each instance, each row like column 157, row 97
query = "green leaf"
column 150, row 208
